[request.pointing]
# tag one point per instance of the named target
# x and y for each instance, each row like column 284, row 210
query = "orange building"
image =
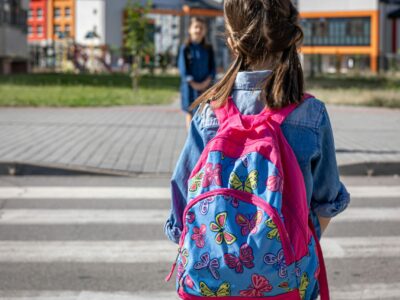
column 61, row 19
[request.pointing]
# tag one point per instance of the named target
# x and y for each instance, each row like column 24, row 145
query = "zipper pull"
column 168, row 278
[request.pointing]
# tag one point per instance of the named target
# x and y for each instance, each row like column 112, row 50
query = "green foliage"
column 138, row 40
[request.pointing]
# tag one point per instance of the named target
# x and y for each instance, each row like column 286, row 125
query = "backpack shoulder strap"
column 281, row 115
column 226, row 111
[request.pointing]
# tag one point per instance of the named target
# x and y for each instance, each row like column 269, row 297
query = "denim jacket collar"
column 250, row 80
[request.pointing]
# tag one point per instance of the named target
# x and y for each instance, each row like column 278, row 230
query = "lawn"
column 109, row 90
column 367, row 91
column 85, row 90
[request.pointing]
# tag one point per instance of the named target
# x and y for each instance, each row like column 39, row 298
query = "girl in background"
column 196, row 65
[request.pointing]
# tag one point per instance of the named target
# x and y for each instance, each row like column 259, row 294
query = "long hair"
column 261, row 31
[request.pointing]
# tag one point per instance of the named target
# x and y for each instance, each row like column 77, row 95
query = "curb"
column 44, row 169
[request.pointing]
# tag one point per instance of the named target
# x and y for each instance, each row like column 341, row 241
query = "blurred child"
column 196, row 65
column 262, row 94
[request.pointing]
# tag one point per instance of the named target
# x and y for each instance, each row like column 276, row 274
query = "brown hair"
column 202, row 21
column 262, row 31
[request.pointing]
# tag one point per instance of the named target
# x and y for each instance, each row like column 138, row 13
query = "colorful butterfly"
column 278, row 261
column 219, row 227
column 245, row 259
column 184, row 257
column 189, row 282
column 195, row 182
column 204, row 204
column 199, row 234
column 304, row 285
column 273, row 233
column 223, row 290
column 212, row 175
column 234, row 202
column 249, row 225
column 285, row 285
column 259, row 286
column 181, row 269
column 275, row 183
column 190, row 217
column 211, row 265
column 249, row 185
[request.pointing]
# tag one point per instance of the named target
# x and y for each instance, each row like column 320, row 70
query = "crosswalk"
column 95, row 243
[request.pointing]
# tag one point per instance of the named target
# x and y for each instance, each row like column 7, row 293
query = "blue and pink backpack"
column 246, row 232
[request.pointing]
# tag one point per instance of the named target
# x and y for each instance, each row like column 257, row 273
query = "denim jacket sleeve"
column 198, row 137
column 329, row 195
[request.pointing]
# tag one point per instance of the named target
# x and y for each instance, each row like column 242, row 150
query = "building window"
column 67, row 12
column 30, row 30
column 40, row 30
column 57, row 12
column 337, row 31
column 30, row 13
column 57, row 30
column 67, row 30
column 39, row 13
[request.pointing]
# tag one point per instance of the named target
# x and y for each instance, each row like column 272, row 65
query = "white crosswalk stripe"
column 155, row 193
column 162, row 251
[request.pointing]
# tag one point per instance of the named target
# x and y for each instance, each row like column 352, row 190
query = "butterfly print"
column 211, row 265
column 195, row 182
column 260, row 285
column 223, row 290
column 189, row 282
column 305, row 281
column 245, row 259
column 273, row 233
column 204, row 204
column 222, row 233
column 190, row 217
column 278, row 261
column 181, row 269
column 285, row 285
column 184, row 257
column 249, row 225
column 249, row 185
column 198, row 235
column 212, row 175
column 275, row 183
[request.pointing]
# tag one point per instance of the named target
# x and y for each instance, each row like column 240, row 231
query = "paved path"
column 149, row 139
column 101, row 252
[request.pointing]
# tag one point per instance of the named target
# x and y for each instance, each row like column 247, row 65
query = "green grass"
column 60, row 90
column 356, row 90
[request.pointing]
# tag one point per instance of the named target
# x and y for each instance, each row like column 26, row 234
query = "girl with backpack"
column 196, row 65
column 257, row 181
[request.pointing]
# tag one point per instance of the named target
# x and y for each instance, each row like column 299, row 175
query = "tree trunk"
column 135, row 73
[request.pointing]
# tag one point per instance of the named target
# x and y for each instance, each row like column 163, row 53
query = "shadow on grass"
column 103, row 80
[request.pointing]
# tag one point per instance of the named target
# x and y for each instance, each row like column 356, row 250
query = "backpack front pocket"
column 234, row 244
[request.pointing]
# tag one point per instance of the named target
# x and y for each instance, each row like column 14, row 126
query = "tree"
column 138, row 41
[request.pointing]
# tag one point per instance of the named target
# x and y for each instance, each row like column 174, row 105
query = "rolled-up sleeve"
column 189, row 156
column 329, row 196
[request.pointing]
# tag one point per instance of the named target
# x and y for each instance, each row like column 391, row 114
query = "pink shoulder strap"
column 280, row 115
column 226, row 111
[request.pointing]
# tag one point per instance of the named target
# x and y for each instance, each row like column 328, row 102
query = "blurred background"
column 91, row 129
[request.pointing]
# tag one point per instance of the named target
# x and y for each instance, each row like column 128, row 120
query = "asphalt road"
column 96, row 238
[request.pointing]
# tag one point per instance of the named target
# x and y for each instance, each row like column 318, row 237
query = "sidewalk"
column 137, row 140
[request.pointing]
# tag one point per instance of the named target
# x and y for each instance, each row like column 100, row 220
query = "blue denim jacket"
column 307, row 130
